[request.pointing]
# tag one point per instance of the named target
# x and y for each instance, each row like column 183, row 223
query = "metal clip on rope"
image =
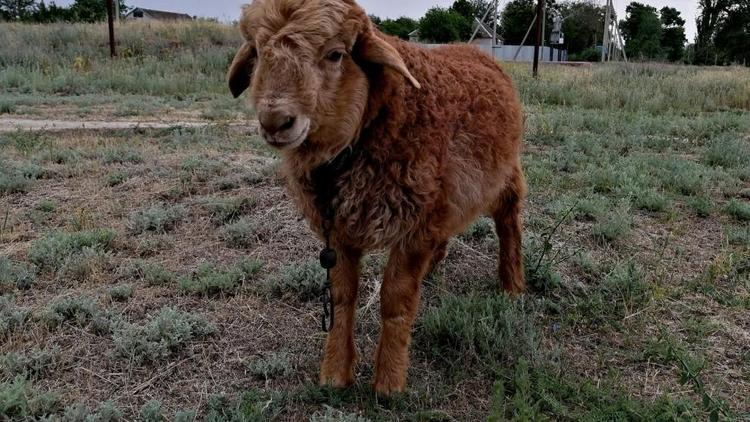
column 327, row 261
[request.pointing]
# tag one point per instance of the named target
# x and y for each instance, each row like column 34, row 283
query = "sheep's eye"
column 335, row 56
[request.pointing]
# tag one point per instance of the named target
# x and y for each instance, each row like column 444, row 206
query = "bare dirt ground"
column 12, row 124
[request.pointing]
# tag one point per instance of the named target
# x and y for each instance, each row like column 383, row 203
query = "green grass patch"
column 271, row 365
column 224, row 211
column 32, row 364
column 152, row 273
column 303, row 280
column 15, row 275
column 739, row 210
column 21, row 400
column 486, row 332
column 621, row 293
column 61, row 250
column 121, row 293
column 243, row 233
column 158, row 218
column 11, row 316
column 728, row 153
column 165, row 334
column 210, row 281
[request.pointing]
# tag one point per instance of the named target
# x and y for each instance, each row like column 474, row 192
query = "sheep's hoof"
column 334, row 381
column 387, row 388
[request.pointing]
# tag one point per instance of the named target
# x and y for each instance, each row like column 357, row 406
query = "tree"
column 442, row 25
column 583, row 26
column 733, row 35
column 51, row 13
column 673, row 33
column 89, row 10
column 16, row 10
column 711, row 13
column 517, row 17
column 400, row 27
column 642, row 31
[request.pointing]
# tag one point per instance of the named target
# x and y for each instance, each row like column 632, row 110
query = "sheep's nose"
column 275, row 121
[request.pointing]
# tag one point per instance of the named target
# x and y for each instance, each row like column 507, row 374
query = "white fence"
column 508, row 53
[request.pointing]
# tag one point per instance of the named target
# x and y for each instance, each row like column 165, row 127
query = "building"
column 139, row 13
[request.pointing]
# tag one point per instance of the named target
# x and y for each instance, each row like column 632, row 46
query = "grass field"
column 164, row 274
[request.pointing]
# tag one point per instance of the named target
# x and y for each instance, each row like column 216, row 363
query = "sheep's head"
column 303, row 61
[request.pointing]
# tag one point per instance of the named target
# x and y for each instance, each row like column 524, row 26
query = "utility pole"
column 605, row 40
column 111, row 22
column 494, row 27
column 539, row 23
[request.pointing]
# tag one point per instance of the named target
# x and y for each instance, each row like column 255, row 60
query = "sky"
column 228, row 10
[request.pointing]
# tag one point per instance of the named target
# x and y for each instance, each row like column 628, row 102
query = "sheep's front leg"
column 337, row 368
column 399, row 300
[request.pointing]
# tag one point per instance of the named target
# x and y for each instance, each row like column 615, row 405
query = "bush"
column 739, row 210
column 11, row 317
column 273, row 365
column 702, row 205
column 117, row 178
column 479, row 230
column 165, row 334
column 210, row 281
column 157, row 218
column 20, row 400
column 303, row 280
column 243, row 233
column 650, row 200
column 225, row 211
column 34, row 364
column 622, row 292
column 152, row 412
column 121, row 293
column 81, row 311
column 56, row 250
column 17, row 179
column 614, row 225
column 46, row 206
column 253, row 405
column 78, row 412
column 728, row 152
column 153, row 274
column 15, row 275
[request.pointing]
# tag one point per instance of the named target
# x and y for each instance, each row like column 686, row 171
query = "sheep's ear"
column 240, row 73
column 373, row 49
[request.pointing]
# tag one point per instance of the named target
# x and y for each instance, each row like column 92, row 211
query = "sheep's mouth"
column 292, row 138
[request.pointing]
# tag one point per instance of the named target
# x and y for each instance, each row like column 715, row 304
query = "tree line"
column 723, row 26
column 40, row 12
column 649, row 34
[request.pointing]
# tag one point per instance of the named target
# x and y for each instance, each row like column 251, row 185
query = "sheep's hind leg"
column 507, row 216
column 337, row 369
column 399, row 300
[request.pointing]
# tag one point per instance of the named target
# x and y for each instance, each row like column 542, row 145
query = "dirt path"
column 14, row 124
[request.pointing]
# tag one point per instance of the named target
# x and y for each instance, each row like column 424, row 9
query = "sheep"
column 432, row 140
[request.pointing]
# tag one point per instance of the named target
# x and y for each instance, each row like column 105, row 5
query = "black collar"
column 325, row 178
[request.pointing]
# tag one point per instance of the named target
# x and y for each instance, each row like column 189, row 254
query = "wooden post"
column 111, row 22
column 494, row 27
column 605, row 40
column 539, row 23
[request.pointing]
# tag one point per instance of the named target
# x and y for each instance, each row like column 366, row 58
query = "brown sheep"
column 435, row 139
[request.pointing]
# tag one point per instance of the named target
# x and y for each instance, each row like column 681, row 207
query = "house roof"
column 160, row 14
